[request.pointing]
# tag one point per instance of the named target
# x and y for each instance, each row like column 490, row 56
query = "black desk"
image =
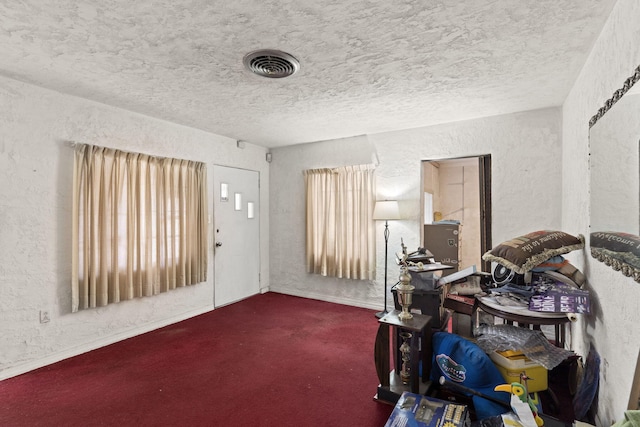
column 391, row 387
column 428, row 302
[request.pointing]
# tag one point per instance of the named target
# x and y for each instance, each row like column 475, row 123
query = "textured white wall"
column 536, row 184
column 287, row 228
column 612, row 327
column 615, row 163
column 36, row 163
column 526, row 183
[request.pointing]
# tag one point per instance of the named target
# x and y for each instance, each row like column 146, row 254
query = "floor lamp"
column 385, row 210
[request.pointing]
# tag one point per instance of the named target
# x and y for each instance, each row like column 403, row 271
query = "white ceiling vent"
column 271, row 63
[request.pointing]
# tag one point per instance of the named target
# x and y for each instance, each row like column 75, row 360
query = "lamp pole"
column 386, row 251
column 385, row 210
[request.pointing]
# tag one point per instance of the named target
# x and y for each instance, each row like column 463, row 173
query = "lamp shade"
column 386, row 210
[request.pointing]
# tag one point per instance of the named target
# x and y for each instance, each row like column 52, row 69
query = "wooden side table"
column 391, row 387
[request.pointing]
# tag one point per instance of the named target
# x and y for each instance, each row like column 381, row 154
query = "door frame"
column 484, row 163
column 216, row 226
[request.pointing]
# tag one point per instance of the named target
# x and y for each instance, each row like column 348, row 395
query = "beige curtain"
column 340, row 229
column 139, row 225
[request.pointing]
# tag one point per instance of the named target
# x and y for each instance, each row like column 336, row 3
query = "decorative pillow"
column 525, row 252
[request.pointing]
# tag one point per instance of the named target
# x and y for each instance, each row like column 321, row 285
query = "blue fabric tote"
column 463, row 362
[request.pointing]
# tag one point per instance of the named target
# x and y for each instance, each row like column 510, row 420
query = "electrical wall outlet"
column 44, row 317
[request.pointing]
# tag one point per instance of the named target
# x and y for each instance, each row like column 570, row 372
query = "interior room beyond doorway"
column 456, row 192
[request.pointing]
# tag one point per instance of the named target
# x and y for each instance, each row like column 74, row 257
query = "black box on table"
column 427, row 302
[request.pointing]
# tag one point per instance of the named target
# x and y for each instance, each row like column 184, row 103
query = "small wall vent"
column 273, row 64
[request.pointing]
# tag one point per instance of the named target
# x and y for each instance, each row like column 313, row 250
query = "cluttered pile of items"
column 487, row 373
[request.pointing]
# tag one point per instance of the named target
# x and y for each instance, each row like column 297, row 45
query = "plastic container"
column 424, row 281
column 512, row 363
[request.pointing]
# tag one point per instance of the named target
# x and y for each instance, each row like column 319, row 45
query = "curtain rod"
column 74, row 145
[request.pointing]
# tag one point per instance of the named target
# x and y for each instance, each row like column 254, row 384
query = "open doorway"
column 456, row 210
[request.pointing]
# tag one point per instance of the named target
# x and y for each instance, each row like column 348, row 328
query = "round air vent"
column 271, row 63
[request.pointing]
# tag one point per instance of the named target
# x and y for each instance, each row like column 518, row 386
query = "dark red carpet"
column 270, row 360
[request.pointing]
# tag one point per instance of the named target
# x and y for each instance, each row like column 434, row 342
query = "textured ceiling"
column 366, row 66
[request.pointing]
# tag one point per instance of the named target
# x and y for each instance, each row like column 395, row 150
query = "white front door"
column 236, row 234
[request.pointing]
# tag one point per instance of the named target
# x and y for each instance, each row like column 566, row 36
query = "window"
column 139, row 225
column 340, row 229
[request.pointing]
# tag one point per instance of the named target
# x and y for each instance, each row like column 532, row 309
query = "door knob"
column 218, row 244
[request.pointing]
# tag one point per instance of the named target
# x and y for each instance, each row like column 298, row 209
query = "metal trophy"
column 404, row 288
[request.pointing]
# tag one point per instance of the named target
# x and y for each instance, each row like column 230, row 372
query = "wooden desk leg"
column 426, row 354
column 415, row 363
column 396, row 361
column 381, row 355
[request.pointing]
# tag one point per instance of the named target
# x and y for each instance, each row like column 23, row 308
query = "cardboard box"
column 462, row 324
column 561, row 300
column 558, row 297
column 511, row 364
column 415, row 410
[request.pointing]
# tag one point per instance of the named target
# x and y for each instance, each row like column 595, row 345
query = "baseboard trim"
column 75, row 351
column 326, row 298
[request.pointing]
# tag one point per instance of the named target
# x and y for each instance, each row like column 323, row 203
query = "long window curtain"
column 340, row 229
column 139, row 225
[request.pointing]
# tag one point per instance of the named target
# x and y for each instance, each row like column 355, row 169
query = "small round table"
column 533, row 320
